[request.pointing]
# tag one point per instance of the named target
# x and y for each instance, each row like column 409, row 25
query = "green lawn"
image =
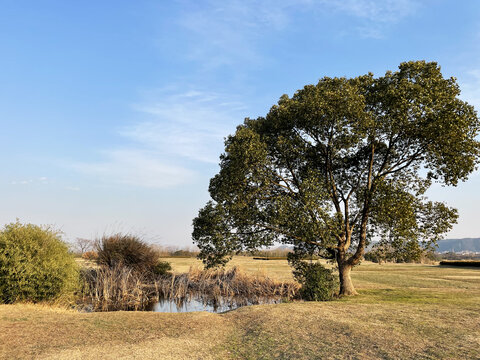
column 403, row 312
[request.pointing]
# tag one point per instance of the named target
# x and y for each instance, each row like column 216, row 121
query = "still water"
column 172, row 306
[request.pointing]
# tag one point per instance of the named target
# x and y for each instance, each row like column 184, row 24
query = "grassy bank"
column 404, row 311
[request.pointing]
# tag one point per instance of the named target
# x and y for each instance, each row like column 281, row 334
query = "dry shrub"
column 125, row 278
column 126, row 250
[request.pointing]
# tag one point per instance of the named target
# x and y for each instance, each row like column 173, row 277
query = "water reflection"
column 197, row 304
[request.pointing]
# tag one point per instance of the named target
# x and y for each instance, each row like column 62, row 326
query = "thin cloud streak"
column 229, row 33
column 384, row 11
column 40, row 180
column 137, row 168
column 182, row 131
column 190, row 125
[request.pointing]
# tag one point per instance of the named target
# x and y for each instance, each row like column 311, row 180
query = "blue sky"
column 113, row 113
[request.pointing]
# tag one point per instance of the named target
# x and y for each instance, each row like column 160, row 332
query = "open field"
column 403, row 312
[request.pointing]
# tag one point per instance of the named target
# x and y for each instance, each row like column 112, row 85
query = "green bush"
column 162, row 268
column 128, row 251
column 318, row 283
column 35, row 264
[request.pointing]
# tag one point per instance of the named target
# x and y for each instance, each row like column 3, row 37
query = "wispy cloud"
column 180, row 131
column 378, row 11
column 226, row 32
column 39, row 180
column 189, row 125
column 373, row 17
column 230, row 32
column 137, row 168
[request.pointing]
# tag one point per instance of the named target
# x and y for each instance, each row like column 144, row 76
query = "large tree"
column 340, row 163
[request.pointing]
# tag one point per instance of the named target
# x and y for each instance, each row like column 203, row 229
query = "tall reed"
column 121, row 288
column 218, row 284
column 116, row 288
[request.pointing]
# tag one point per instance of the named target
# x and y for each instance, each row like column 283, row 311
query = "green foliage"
column 339, row 163
column 378, row 254
column 210, row 230
column 162, row 268
column 318, row 282
column 128, row 251
column 35, row 264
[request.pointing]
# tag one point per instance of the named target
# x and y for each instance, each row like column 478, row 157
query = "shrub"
column 318, row 283
column 35, row 264
column 162, row 268
column 128, row 251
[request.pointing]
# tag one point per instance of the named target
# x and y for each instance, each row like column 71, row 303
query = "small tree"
column 340, row 162
column 82, row 245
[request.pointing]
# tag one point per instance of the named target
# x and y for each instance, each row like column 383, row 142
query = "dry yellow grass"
column 403, row 312
column 36, row 332
column 278, row 269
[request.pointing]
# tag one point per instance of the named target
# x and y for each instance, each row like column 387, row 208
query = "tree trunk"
column 346, row 285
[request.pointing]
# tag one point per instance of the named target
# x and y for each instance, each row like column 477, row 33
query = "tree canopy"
column 339, row 163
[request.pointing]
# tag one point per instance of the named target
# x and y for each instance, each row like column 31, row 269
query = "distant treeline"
column 474, row 263
column 175, row 251
column 266, row 254
column 457, row 256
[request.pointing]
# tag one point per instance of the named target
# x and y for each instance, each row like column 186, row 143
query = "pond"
column 197, row 304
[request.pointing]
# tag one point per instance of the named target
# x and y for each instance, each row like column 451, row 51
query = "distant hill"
column 447, row 245
column 459, row 245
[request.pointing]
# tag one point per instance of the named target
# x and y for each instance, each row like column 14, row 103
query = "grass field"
column 403, row 312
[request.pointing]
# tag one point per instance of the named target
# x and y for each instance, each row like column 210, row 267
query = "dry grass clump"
column 125, row 277
column 90, row 255
column 116, row 288
column 232, row 283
